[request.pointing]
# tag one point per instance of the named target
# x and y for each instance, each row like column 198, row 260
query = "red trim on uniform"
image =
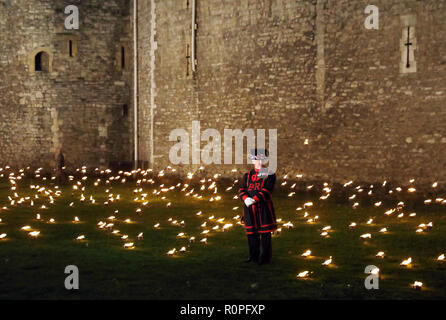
column 265, row 225
column 268, row 231
column 255, row 198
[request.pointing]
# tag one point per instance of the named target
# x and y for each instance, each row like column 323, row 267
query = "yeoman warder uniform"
column 259, row 217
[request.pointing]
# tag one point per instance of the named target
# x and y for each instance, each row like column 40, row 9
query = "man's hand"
column 249, row 201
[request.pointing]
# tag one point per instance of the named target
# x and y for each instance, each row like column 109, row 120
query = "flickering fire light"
column 327, row 262
column 129, row 245
column 375, row 271
column 380, row 254
column 34, row 234
column 308, row 204
column 212, row 224
column 306, row 253
column 417, row 285
column 407, row 262
column 288, row 225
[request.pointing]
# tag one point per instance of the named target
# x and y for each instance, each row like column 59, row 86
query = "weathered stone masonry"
column 313, row 71
column 78, row 103
column 306, row 67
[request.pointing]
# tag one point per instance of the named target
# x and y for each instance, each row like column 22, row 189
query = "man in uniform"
column 259, row 218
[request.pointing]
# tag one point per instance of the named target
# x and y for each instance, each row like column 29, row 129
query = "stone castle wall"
column 307, row 68
column 78, row 103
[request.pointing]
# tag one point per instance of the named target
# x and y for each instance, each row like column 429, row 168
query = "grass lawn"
column 34, row 268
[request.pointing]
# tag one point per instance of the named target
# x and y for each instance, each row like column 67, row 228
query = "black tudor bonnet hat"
column 258, row 154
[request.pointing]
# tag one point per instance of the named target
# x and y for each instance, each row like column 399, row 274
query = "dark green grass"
column 34, row 268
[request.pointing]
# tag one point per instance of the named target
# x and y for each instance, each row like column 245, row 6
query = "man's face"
column 257, row 163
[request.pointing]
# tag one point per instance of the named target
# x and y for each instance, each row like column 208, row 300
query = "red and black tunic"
column 259, row 217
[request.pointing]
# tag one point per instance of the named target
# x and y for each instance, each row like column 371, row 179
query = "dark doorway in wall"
column 42, row 61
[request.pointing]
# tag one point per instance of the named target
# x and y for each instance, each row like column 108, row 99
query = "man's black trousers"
column 254, row 241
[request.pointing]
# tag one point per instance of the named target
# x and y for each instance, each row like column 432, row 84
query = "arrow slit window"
column 408, row 45
column 122, row 58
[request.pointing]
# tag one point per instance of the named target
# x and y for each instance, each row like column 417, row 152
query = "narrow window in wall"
column 408, row 44
column 122, row 58
column 125, row 110
column 67, row 44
